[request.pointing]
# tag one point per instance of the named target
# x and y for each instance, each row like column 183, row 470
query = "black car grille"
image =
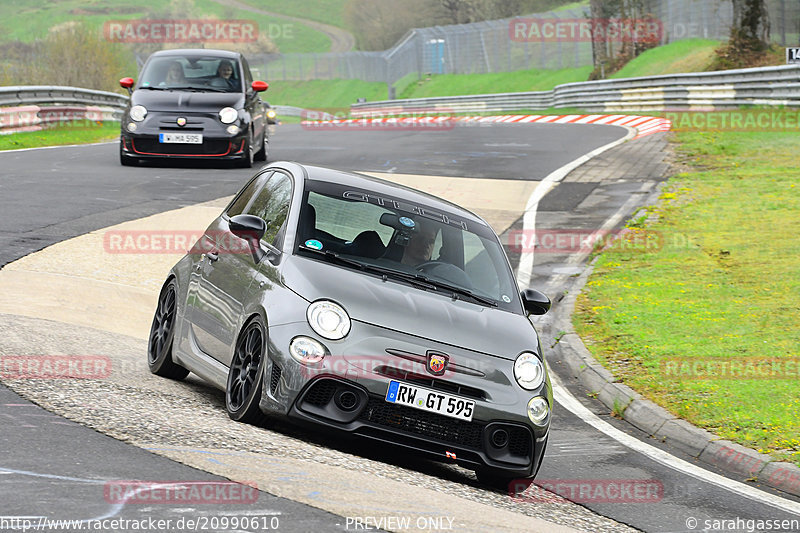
column 431, row 383
column 274, row 378
column 519, row 442
column 417, row 422
column 209, row 147
column 320, row 393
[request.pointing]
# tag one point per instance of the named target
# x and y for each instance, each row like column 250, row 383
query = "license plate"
column 429, row 400
column 180, row 138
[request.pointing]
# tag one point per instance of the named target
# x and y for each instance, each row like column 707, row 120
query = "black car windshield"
column 415, row 244
column 178, row 72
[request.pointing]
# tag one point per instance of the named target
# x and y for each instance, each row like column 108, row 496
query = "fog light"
column 306, row 350
column 538, row 410
column 131, row 126
column 233, row 129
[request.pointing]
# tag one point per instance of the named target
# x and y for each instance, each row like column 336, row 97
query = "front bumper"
column 342, row 395
column 217, row 142
column 148, row 147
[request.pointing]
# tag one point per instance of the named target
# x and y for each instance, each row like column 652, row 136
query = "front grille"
column 274, row 379
column 320, row 393
column 209, row 147
column 431, row 383
column 519, row 441
column 417, row 422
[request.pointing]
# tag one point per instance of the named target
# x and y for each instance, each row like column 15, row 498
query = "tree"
column 751, row 26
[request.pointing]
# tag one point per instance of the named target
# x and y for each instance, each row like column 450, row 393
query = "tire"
column 124, row 160
column 509, row 485
column 245, row 376
column 247, row 158
column 263, row 152
column 162, row 335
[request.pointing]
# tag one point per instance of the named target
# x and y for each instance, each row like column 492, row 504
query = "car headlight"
column 328, row 319
column 306, row 350
column 271, row 113
column 538, row 410
column 227, row 115
column 233, row 129
column 529, row 371
column 137, row 113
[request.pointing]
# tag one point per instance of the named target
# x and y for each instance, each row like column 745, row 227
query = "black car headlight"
column 228, row 115
column 137, row 113
column 529, row 371
column 328, row 319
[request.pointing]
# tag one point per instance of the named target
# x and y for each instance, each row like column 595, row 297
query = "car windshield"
column 415, row 244
column 177, row 72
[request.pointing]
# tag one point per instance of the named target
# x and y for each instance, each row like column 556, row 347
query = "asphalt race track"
column 53, row 467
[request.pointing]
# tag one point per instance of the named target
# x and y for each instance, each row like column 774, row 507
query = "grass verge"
column 723, row 286
column 689, row 55
column 68, row 134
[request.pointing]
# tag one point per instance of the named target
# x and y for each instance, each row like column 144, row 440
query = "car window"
column 393, row 234
column 189, row 73
column 272, row 204
column 346, row 225
column 248, row 78
column 240, row 203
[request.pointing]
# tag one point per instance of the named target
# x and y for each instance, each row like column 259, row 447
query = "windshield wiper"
column 417, row 280
column 462, row 291
column 153, row 88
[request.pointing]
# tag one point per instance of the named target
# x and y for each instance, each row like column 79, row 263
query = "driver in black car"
column 420, row 247
column 224, row 77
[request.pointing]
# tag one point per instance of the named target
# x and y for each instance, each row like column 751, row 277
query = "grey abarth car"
column 352, row 303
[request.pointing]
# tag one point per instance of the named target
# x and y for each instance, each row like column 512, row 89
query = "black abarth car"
column 195, row 104
column 352, row 303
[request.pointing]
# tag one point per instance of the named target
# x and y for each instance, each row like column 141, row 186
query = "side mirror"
column 126, row 83
column 535, row 302
column 250, row 228
column 259, row 86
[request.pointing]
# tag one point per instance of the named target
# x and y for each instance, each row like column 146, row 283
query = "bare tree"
column 750, row 24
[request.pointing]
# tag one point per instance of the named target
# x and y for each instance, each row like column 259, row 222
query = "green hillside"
column 32, row 19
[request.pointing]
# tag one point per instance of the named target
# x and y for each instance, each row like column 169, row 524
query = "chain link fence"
column 493, row 46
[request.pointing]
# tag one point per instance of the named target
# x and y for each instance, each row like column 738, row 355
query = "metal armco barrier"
column 30, row 108
column 767, row 86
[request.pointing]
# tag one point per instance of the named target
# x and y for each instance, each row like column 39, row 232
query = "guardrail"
column 770, row 86
column 30, row 108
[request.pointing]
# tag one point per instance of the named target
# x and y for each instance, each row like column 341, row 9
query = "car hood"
column 398, row 306
column 172, row 101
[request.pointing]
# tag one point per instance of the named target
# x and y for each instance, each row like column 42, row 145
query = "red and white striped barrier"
column 643, row 125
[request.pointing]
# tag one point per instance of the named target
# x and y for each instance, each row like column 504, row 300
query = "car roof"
column 199, row 52
column 396, row 190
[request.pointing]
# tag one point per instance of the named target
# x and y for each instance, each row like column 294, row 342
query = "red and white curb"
column 643, row 125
